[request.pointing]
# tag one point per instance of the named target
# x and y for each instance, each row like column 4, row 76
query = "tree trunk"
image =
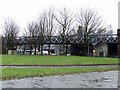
column 88, row 50
column 24, row 50
column 30, row 50
column 66, row 49
column 49, row 49
column 41, row 49
column 35, row 50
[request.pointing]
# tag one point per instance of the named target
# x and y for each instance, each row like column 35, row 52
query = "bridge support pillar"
column 118, row 45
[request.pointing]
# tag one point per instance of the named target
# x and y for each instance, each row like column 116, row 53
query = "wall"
column 101, row 48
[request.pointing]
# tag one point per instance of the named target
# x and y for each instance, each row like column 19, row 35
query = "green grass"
column 17, row 73
column 54, row 60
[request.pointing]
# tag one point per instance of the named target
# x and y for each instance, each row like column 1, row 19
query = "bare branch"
column 91, row 22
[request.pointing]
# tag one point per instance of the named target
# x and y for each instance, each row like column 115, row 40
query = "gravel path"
column 107, row 79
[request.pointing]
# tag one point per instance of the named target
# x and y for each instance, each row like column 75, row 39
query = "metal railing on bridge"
column 73, row 39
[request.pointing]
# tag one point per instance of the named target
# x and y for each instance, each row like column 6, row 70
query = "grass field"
column 55, row 60
column 17, row 73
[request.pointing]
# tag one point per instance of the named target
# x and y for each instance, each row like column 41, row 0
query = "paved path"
column 84, row 80
column 73, row 66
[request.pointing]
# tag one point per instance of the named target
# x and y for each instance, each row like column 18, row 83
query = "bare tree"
column 50, row 25
column 65, row 21
column 11, row 30
column 109, row 30
column 42, row 27
column 32, row 34
column 91, row 23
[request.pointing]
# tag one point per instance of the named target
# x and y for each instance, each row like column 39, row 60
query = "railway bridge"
column 97, row 45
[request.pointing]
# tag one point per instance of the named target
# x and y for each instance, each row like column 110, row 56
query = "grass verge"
column 55, row 60
column 17, row 73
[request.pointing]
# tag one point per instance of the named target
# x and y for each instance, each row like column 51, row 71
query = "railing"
column 66, row 39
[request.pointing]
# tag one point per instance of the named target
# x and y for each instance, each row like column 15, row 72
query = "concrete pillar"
column 118, row 45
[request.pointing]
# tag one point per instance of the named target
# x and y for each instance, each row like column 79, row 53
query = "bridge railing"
column 66, row 39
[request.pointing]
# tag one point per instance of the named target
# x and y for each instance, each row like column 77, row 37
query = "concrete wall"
column 101, row 49
column 11, row 52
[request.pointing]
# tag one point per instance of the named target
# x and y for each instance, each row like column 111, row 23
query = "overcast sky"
column 24, row 11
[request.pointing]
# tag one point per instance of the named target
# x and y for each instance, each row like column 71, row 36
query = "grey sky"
column 24, row 11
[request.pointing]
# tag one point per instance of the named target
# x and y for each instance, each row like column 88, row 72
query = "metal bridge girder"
column 67, row 39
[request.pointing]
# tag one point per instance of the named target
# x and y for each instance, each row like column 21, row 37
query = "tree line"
column 62, row 22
